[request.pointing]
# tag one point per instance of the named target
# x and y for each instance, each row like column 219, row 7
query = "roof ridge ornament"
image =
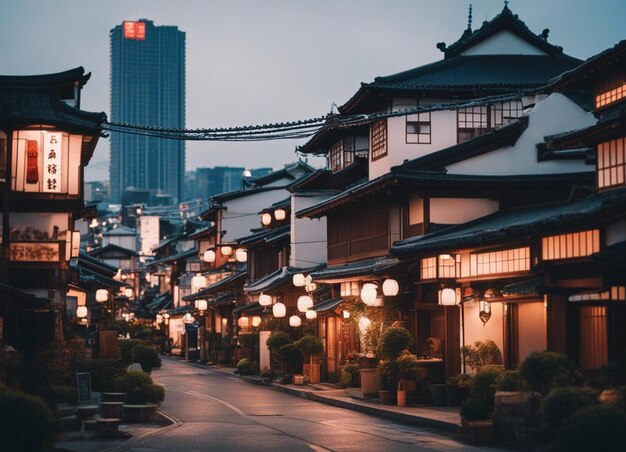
column 469, row 19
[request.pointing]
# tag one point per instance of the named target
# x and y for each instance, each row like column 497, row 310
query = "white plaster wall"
column 460, row 210
column 504, row 43
column 416, row 209
column 533, row 336
column 616, row 233
column 492, row 330
column 149, row 230
column 125, row 241
column 242, row 214
column 553, row 115
column 308, row 235
column 43, row 222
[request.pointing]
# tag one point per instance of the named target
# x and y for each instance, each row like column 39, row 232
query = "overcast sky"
column 262, row 61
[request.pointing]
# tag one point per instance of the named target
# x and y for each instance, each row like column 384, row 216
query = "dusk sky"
column 256, row 62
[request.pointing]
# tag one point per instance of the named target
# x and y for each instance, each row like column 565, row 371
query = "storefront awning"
column 255, row 306
column 327, row 304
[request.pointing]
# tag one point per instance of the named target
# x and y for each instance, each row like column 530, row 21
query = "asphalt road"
column 221, row 412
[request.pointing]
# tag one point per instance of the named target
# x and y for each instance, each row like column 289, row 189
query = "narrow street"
column 222, row 412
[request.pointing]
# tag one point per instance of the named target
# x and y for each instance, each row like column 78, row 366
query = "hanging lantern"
column 256, row 321
column 346, row 314
column 188, row 318
column 369, row 294
column 209, row 256
column 304, row 303
column 379, row 301
column 148, row 277
column 449, row 296
column 279, row 310
column 159, row 319
column 226, row 250
column 310, row 314
column 198, row 282
column 280, row 214
column 166, row 318
column 390, row 287
column 243, row 322
column 102, row 295
column 128, row 292
column 299, row 280
column 241, row 255
column 484, row 311
column 295, row 321
column 266, row 219
column 265, row 300
column 201, row 305
column 81, row 312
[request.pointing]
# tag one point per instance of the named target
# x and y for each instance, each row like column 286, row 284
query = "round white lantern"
column 346, row 314
column 447, row 297
column 256, row 321
column 266, row 219
column 295, row 321
column 209, row 256
column 391, row 288
column 265, row 300
column 369, row 294
column 243, row 322
column 81, row 312
column 188, row 318
column 310, row 314
column 280, row 214
column 159, row 319
column 128, row 292
column 299, row 280
column 102, row 295
column 304, row 303
column 148, row 277
column 226, row 250
column 241, row 255
column 279, row 310
column 201, row 305
column 198, row 282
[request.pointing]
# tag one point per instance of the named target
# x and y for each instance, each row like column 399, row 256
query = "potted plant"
column 291, row 359
column 268, row 376
column 393, row 342
column 311, row 346
column 458, row 389
column 409, row 370
column 142, row 396
column 274, row 342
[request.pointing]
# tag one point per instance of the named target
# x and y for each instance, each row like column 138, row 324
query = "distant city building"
column 222, row 179
column 147, row 87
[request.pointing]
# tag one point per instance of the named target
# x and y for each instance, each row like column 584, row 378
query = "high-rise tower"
column 147, row 87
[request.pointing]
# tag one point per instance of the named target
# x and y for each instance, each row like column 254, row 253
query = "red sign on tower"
column 135, row 30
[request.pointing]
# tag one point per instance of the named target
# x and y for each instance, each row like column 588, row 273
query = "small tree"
column 393, row 341
column 310, row 346
column 138, row 388
column 291, row 356
column 482, row 353
column 276, row 340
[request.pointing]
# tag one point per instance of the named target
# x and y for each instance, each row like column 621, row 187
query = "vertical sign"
column 83, row 381
column 52, row 145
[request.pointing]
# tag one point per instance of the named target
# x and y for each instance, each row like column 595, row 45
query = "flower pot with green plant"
column 311, row 346
column 393, row 342
column 274, row 342
column 291, row 359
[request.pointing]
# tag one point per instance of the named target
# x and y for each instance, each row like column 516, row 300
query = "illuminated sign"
column 34, row 252
column 135, row 30
column 52, row 145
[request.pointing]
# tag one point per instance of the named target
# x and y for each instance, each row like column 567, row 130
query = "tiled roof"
column 519, row 223
column 21, row 300
column 120, row 230
column 224, row 283
column 271, row 281
column 368, row 267
column 265, row 235
column 112, row 247
column 327, row 304
column 175, row 257
column 293, row 171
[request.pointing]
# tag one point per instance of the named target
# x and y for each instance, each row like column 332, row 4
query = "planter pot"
column 476, row 431
column 386, row 397
column 439, row 395
column 313, row 372
column 401, row 398
column 370, row 382
column 140, row 413
column 298, row 380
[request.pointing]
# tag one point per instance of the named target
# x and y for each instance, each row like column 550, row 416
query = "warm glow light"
column 256, row 321
column 209, row 256
column 299, row 280
column 128, row 292
column 310, row 314
column 304, row 303
column 198, row 282
column 241, row 255
column 135, row 30
column 349, row 289
column 279, row 310
column 201, row 305
column 243, row 322
column 369, row 294
column 94, row 223
column 295, row 321
column 226, row 250
column 102, row 295
column 81, row 312
column 346, row 314
column 188, row 318
column 484, row 311
column 448, row 297
column 159, row 319
column 391, row 288
column 266, row 219
column 364, row 324
column 265, row 300
column 445, row 257
column 148, row 277
column 280, row 214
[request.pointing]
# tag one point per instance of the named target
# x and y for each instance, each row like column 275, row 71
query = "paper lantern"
column 280, row 214
column 279, row 310
column 148, row 277
column 265, row 300
column 346, row 314
column 201, row 305
column 102, row 295
column 299, row 280
column 391, row 288
column 484, row 311
column 81, row 312
column 256, row 321
column 198, row 282
column 226, row 250
column 295, row 321
column 243, row 322
column 209, row 256
column 128, row 292
column 188, row 318
column 266, row 219
column 310, row 314
column 304, row 303
column 369, row 294
column 448, row 297
column 241, row 255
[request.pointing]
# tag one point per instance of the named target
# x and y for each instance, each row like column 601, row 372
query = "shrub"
column 389, row 371
column 65, row 394
column 139, row 388
column 482, row 353
column 349, row 374
column 393, row 341
column 544, row 370
column 103, row 372
column 510, row 381
column 147, row 357
column 561, row 403
column 458, row 388
column 484, row 385
column 276, row 340
column 26, row 423
column 144, row 334
column 126, row 349
column 246, row 366
column 269, row 373
column 408, row 367
column 474, row 410
column 248, row 340
column 291, row 357
column 597, row 427
column 310, row 346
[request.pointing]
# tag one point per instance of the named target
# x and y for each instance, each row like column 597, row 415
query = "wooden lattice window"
column 348, row 153
column 610, row 96
column 418, row 128
column 593, row 337
column 503, row 113
column 568, row 246
column 335, row 156
column 504, row 261
column 471, row 122
column 612, row 163
column 378, row 139
column 428, row 268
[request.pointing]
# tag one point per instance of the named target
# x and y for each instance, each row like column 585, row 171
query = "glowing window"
column 428, row 268
column 610, row 96
column 612, row 163
column 495, row 262
column 568, row 246
column 135, row 30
